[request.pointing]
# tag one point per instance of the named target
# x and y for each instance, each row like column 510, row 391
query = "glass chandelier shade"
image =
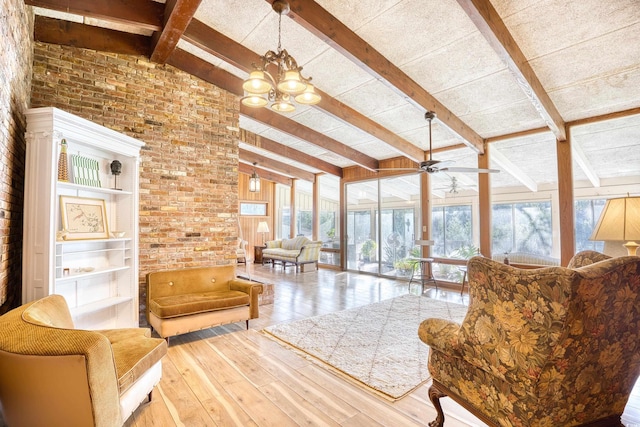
column 254, row 181
column 308, row 96
column 278, row 79
column 257, row 83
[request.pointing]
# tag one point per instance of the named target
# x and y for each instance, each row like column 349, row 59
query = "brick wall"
column 16, row 34
column 189, row 166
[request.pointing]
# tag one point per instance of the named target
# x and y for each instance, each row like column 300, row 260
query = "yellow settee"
column 54, row 375
column 190, row 299
column 297, row 251
column 545, row 347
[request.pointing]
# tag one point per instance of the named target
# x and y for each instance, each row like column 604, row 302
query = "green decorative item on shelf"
column 63, row 163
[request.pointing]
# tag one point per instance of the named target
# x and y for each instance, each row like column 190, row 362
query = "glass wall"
column 282, row 212
column 522, row 227
column 381, row 230
column 304, row 209
column 587, row 213
column 452, row 230
column 362, row 245
column 329, row 231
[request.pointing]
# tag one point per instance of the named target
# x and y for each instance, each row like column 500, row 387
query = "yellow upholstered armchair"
column 54, row 375
column 546, row 347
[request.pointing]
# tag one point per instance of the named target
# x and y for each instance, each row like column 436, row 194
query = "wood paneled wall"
column 249, row 224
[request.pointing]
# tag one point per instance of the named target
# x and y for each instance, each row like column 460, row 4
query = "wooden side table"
column 257, row 254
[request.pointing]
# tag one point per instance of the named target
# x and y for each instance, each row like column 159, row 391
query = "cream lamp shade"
column 620, row 220
column 263, row 228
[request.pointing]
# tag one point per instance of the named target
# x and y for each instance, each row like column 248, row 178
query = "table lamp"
column 620, row 220
column 263, row 228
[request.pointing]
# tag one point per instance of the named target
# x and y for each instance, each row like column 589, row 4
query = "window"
column 587, row 213
column 253, row 209
column 522, row 227
column 304, row 209
column 451, row 229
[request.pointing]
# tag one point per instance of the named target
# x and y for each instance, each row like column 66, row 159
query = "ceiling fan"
column 433, row 166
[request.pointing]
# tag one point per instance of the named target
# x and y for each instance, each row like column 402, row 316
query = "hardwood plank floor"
column 228, row 376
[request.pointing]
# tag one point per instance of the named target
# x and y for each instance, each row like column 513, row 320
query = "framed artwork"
column 84, row 218
column 253, row 209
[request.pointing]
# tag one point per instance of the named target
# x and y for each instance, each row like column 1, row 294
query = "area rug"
column 376, row 345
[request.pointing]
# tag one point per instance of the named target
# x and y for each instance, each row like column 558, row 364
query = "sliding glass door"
column 362, row 246
column 382, row 224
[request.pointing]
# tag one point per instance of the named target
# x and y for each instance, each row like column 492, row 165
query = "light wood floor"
column 228, row 376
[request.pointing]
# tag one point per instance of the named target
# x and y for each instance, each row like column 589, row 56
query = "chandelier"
column 262, row 88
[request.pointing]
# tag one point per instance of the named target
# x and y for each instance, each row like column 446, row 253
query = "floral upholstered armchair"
column 546, row 347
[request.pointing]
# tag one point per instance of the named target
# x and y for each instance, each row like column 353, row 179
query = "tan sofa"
column 190, row 299
column 297, row 251
column 54, row 375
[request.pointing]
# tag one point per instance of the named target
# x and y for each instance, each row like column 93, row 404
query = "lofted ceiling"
column 513, row 74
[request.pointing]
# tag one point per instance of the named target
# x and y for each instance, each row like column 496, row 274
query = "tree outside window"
column 452, row 229
column 522, row 227
column 587, row 213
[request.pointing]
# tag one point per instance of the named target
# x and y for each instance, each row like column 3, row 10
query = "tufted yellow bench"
column 190, row 299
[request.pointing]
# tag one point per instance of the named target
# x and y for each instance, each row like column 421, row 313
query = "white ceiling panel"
column 334, row 74
column 235, row 18
column 601, row 96
column 425, row 26
column 403, row 118
column 371, row 98
column 474, row 60
column 551, row 26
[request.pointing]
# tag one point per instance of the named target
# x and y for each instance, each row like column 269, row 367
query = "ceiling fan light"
column 257, row 83
column 309, row 96
column 254, row 100
column 292, row 83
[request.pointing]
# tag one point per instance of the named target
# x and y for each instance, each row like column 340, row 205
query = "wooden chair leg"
column 247, row 324
column 150, row 395
column 434, row 395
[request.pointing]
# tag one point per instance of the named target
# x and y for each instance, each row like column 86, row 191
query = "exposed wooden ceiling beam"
column 493, row 29
column 265, row 174
column 177, row 16
column 284, row 168
column 325, row 26
column 141, row 13
column 608, row 116
column 305, row 133
column 291, row 153
column 219, row 45
column 202, row 69
column 55, row 31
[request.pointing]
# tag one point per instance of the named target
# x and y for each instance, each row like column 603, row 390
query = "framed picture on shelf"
column 84, row 218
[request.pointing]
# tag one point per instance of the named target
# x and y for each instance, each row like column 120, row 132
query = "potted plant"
column 404, row 266
column 331, row 234
column 368, row 250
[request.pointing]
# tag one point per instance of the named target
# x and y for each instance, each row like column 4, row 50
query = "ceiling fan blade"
column 469, row 170
column 398, row 169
